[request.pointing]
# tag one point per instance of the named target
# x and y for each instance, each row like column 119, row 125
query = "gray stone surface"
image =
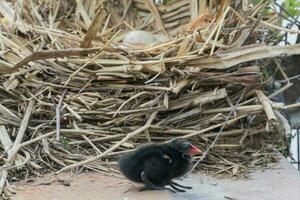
column 282, row 183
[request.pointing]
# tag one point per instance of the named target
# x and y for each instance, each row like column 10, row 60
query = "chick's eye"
column 186, row 146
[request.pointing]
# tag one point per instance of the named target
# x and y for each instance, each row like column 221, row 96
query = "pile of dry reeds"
column 73, row 95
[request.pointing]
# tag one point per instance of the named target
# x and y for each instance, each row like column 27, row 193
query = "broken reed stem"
column 48, row 54
column 101, row 139
column 3, row 180
column 281, row 90
column 16, row 146
column 18, row 165
column 266, row 105
column 220, row 26
column 250, row 108
column 22, row 130
column 36, row 139
column 58, row 111
column 115, row 146
column 94, row 26
column 208, row 40
column 88, row 140
column 91, row 143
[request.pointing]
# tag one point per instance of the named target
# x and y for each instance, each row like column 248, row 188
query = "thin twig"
column 58, row 111
column 219, row 133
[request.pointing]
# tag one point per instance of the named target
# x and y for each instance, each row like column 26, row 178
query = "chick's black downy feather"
column 156, row 165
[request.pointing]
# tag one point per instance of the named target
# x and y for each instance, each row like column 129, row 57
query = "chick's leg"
column 176, row 188
column 148, row 185
column 179, row 185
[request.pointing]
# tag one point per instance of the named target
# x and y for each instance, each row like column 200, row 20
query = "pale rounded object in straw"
column 139, row 37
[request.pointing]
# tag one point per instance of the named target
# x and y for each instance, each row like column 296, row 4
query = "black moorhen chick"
column 156, row 165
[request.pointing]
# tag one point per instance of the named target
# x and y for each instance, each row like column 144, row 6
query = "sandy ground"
column 85, row 186
column 280, row 183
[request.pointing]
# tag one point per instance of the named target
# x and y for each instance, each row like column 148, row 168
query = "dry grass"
column 74, row 96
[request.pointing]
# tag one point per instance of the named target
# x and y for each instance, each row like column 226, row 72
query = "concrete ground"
column 276, row 184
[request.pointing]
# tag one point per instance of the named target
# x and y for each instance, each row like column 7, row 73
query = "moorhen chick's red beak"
column 194, row 150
